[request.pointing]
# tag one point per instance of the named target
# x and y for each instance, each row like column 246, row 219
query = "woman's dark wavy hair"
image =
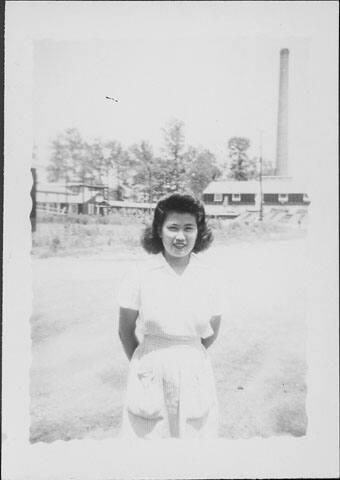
column 179, row 203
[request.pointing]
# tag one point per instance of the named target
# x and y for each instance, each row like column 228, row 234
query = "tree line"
column 139, row 173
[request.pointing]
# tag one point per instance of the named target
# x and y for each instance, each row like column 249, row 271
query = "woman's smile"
column 179, row 245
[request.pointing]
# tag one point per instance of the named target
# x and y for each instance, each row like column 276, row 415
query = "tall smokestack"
column 282, row 120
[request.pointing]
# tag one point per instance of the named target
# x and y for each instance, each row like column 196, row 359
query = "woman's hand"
column 215, row 323
column 127, row 330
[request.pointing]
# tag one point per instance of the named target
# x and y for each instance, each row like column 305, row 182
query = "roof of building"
column 62, row 187
column 86, row 184
column 67, row 197
column 52, row 187
column 128, row 204
column 269, row 185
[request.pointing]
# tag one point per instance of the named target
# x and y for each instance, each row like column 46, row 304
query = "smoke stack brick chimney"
column 282, row 121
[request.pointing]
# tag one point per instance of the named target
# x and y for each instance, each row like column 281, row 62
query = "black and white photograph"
column 170, row 240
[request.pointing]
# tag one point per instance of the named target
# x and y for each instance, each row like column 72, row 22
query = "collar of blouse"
column 160, row 262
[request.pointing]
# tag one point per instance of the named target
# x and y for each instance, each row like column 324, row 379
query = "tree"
column 147, row 169
column 240, row 167
column 59, row 168
column 68, row 156
column 72, row 158
column 268, row 168
column 110, row 161
column 174, row 156
column 95, row 166
column 119, row 163
column 202, row 169
column 253, row 171
column 254, row 168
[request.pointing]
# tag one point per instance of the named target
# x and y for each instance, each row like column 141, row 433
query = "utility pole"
column 33, row 214
column 260, row 179
column 66, row 195
column 83, row 190
column 66, row 178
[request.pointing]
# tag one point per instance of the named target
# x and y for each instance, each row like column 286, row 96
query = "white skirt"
column 170, row 391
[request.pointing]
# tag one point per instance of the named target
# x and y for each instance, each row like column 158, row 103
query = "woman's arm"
column 215, row 323
column 127, row 330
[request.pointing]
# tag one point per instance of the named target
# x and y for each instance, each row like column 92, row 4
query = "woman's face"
column 178, row 234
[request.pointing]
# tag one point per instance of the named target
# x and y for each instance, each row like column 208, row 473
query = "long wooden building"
column 276, row 192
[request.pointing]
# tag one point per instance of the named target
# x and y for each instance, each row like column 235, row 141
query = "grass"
column 78, row 372
column 83, row 234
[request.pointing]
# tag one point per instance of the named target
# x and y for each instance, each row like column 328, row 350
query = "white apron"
column 170, row 391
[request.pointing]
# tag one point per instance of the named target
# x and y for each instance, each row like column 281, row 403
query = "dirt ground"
column 78, row 370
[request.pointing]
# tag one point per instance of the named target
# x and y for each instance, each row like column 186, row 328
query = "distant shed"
column 60, row 198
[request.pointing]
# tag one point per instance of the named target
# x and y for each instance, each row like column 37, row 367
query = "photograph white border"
column 315, row 455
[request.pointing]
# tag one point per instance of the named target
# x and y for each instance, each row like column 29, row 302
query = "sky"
column 217, row 84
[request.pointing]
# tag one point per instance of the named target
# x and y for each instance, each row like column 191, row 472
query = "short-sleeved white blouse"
column 170, row 304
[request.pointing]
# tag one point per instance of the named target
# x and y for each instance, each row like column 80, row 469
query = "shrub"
column 55, row 243
column 229, row 231
column 123, row 230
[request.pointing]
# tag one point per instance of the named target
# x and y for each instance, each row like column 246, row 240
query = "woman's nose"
column 180, row 235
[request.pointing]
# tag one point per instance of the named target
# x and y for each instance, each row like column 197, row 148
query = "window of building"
column 236, row 197
column 283, row 197
column 208, row 197
column 295, row 197
column 218, row 197
column 248, row 198
column 270, row 198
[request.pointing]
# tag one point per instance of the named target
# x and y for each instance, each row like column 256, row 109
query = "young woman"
column 171, row 303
